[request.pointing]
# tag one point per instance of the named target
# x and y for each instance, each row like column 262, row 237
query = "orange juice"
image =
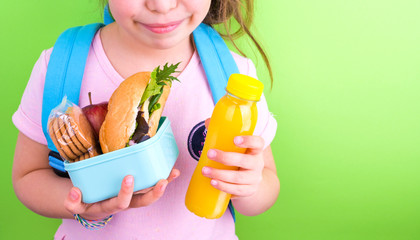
column 235, row 114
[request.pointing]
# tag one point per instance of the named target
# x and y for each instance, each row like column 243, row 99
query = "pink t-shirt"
column 168, row 218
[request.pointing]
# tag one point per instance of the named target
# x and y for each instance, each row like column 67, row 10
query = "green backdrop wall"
column 346, row 98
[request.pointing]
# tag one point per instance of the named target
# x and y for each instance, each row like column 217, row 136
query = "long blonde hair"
column 242, row 11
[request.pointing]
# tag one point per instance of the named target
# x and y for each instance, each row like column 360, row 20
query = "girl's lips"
column 163, row 28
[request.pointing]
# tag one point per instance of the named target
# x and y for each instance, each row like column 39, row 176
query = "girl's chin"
column 168, row 43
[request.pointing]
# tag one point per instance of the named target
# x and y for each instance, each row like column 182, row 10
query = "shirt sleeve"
column 27, row 117
column 266, row 124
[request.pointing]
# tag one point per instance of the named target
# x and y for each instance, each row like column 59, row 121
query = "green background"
column 346, row 98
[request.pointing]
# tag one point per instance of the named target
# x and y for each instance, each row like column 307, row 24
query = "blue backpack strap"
column 65, row 73
column 218, row 64
column 216, row 58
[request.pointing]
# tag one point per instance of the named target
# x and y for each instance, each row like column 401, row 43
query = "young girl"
column 145, row 34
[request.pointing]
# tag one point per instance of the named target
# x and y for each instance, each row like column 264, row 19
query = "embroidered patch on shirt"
column 196, row 140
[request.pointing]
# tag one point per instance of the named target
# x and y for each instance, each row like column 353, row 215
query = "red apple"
column 95, row 113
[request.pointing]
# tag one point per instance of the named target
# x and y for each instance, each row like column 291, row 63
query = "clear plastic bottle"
column 235, row 114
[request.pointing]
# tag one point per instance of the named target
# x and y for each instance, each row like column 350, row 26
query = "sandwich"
column 135, row 108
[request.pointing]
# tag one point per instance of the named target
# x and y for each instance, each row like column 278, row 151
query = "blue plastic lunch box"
column 100, row 177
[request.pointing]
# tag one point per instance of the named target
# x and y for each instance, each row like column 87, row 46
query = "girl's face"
column 159, row 24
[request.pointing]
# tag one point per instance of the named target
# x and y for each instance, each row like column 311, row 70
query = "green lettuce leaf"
column 159, row 78
column 152, row 89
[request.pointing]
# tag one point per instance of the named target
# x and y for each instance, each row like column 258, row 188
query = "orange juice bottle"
column 235, row 114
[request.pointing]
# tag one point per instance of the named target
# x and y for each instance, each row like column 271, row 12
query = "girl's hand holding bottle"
column 233, row 161
column 125, row 199
column 245, row 181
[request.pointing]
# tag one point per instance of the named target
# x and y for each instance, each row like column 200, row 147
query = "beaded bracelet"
column 92, row 224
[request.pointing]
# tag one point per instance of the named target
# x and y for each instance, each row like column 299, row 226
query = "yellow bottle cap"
column 245, row 87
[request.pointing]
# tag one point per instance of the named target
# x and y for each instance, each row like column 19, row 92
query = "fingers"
column 143, row 190
column 232, row 159
column 234, row 189
column 244, row 181
column 242, row 177
column 155, row 192
column 254, row 144
column 73, row 202
column 122, row 201
column 125, row 199
column 174, row 174
column 151, row 196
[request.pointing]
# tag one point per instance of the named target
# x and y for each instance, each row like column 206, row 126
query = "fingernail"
column 213, row 182
column 129, row 180
column 238, row 140
column 205, row 170
column 211, row 153
column 73, row 195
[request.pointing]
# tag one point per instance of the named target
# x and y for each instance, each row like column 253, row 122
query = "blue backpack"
column 67, row 64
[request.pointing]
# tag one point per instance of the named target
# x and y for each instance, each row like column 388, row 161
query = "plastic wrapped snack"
column 72, row 133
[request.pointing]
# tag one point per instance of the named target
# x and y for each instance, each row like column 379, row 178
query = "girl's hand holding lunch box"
column 125, row 199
